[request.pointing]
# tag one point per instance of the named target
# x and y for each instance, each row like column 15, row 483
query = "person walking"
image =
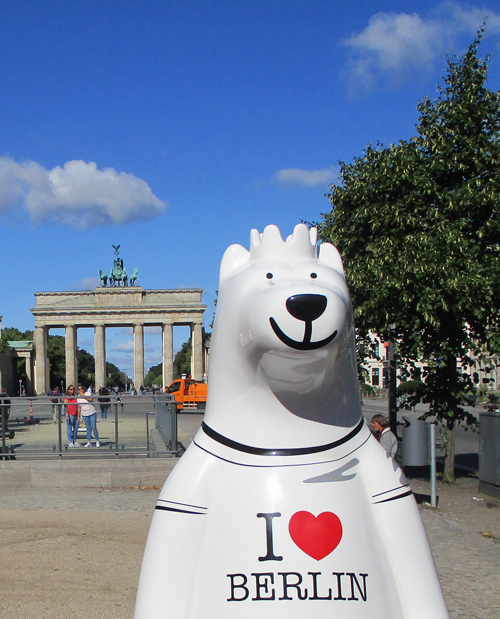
column 87, row 411
column 72, row 416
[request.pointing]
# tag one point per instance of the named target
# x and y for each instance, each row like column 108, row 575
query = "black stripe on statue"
column 181, row 511
column 293, row 451
column 400, row 496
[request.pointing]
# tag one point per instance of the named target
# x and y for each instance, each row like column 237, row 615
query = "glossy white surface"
column 285, row 505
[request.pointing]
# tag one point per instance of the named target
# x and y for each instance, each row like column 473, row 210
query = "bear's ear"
column 235, row 257
column 330, row 257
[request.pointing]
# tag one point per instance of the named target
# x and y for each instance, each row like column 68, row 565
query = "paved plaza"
column 77, row 552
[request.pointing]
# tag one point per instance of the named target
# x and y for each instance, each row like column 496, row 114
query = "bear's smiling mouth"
column 306, row 343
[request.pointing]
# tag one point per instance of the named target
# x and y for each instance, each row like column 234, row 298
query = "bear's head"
column 283, row 340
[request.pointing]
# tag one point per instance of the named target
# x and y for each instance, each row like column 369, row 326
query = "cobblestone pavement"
column 468, row 566
column 71, row 563
column 78, row 552
column 80, row 499
column 464, row 533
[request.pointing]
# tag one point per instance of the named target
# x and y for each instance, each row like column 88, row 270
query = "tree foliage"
column 418, row 226
column 182, row 361
column 57, row 361
column 182, row 365
column 154, row 376
column 86, row 367
column 11, row 334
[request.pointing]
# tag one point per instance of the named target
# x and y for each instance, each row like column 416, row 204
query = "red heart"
column 317, row 537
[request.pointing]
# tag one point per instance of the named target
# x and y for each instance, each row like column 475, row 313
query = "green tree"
column 114, row 376
column 86, row 367
column 154, row 376
column 11, row 334
column 182, row 360
column 57, row 361
column 417, row 224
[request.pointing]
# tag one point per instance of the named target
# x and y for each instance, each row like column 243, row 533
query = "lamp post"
column 392, row 402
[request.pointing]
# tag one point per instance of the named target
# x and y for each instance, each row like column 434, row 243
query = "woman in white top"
column 87, row 411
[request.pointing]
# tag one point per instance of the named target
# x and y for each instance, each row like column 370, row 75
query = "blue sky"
column 174, row 127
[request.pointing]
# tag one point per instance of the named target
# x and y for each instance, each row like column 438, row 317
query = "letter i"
column 270, row 556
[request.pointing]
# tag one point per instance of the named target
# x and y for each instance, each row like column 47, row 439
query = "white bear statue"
column 285, row 505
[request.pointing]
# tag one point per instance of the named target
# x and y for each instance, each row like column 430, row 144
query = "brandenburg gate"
column 117, row 306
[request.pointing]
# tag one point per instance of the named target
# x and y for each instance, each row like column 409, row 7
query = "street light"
column 391, row 354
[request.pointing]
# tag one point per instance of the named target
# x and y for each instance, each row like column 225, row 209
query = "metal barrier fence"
column 36, row 428
column 166, row 421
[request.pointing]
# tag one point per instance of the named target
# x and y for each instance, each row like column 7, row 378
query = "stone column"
column 70, row 356
column 196, row 352
column 100, row 356
column 41, row 365
column 167, row 355
column 138, row 356
column 29, row 375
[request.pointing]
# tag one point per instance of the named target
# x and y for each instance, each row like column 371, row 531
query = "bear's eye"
column 269, row 275
column 314, row 275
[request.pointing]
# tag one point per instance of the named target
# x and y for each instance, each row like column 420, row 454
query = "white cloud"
column 470, row 19
column 306, row 178
column 77, row 194
column 394, row 43
column 124, row 347
column 150, row 361
column 88, row 283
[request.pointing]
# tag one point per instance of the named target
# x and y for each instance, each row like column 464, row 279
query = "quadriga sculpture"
column 285, row 505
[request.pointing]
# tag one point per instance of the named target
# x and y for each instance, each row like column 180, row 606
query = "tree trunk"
column 449, row 462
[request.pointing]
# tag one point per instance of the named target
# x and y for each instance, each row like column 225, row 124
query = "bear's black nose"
column 306, row 307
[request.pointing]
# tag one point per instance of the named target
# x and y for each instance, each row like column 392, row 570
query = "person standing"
column 104, row 403
column 4, row 409
column 55, row 403
column 383, row 434
column 72, row 415
column 87, row 411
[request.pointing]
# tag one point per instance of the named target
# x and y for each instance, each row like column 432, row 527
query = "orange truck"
column 188, row 393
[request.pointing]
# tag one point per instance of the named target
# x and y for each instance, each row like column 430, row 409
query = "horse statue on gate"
column 103, row 277
column 134, row 276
